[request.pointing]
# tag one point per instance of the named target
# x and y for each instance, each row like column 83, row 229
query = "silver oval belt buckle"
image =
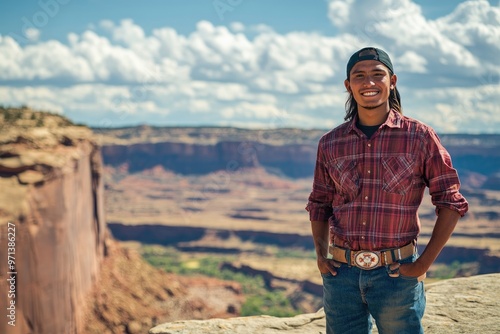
column 366, row 260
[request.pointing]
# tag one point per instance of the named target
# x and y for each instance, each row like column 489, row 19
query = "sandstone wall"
column 51, row 190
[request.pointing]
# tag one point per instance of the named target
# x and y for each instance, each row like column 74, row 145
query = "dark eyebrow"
column 371, row 70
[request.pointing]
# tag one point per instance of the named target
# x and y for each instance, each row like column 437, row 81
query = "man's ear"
column 394, row 79
column 347, row 85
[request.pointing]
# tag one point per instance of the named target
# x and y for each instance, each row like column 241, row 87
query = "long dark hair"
column 351, row 106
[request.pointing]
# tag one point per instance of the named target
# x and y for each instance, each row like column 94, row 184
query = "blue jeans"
column 354, row 296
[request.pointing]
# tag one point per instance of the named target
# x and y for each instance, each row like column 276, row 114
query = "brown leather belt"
column 368, row 260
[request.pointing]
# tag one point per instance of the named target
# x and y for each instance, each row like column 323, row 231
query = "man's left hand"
column 409, row 270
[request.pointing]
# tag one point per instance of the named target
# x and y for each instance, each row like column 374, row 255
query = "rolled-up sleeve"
column 443, row 180
column 319, row 204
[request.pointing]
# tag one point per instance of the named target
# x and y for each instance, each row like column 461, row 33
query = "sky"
column 247, row 63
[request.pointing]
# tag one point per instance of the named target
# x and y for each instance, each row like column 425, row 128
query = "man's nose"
column 368, row 81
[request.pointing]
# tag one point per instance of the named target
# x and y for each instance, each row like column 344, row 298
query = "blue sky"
column 247, row 63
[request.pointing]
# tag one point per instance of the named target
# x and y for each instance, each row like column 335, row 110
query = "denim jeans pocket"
column 327, row 275
column 408, row 278
column 403, row 277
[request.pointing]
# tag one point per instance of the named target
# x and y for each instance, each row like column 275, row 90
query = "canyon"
column 235, row 191
column 251, row 196
column 84, row 202
column 176, row 186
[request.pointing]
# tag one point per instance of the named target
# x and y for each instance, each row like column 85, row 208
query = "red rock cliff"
column 70, row 276
column 51, row 197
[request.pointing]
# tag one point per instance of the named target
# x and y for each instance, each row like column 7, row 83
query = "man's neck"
column 370, row 117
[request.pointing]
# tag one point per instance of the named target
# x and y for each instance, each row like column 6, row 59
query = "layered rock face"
column 291, row 152
column 295, row 160
column 60, row 270
column 51, row 201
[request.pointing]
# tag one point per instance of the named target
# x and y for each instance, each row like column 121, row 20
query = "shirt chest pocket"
column 398, row 173
column 346, row 178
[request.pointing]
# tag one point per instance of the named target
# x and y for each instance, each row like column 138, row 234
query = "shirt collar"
column 393, row 121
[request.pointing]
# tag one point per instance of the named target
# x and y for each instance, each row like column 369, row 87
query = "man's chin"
column 373, row 106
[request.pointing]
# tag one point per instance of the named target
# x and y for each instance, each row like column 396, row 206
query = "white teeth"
column 370, row 93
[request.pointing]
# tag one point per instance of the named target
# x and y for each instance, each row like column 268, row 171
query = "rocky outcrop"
column 464, row 305
column 51, row 200
column 61, row 272
column 301, row 324
column 461, row 305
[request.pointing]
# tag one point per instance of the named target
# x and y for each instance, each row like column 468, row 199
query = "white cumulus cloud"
column 118, row 73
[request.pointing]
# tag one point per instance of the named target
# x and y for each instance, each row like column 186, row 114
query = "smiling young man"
column 369, row 180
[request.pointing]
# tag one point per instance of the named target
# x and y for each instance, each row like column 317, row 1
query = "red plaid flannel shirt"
column 369, row 190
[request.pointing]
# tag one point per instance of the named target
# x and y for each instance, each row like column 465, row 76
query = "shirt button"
column 364, row 222
column 369, row 171
column 369, row 145
column 363, row 237
column 366, row 197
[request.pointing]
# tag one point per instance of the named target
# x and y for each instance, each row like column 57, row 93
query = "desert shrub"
column 273, row 303
column 11, row 115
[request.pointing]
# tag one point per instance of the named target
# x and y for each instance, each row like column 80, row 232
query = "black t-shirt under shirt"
column 368, row 130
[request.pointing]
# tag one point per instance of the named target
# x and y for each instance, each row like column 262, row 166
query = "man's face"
column 370, row 82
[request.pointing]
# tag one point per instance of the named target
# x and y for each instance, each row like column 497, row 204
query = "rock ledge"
column 461, row 305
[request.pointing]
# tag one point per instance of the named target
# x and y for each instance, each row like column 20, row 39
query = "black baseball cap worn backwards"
column 369, row 53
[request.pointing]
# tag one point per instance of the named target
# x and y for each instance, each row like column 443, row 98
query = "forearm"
column 320, row 233
column 444, row 227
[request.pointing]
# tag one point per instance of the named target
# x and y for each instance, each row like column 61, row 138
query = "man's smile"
column 370, row 93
